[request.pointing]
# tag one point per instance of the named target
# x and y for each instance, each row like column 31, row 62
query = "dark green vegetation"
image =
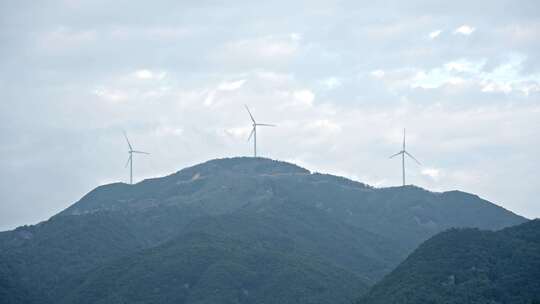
column 241, row 230
column 468, row 266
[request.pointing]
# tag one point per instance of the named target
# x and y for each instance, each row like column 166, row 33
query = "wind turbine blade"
column 399, row 153
column 413, row 157
column 251, row 116
column 140, row 152
column 266, row 125
column 251, row 134
column 129, row 144
column 127, row 163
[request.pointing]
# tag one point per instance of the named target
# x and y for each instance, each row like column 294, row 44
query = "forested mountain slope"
column 468, row 266
column 315, row 229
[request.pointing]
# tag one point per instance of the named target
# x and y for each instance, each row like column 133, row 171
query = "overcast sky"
column 340, row 78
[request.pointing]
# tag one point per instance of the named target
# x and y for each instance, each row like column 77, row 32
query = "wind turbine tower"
column 404, row 152
column 130, row 158
column 254, row 131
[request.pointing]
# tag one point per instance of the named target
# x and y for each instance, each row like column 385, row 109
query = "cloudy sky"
column 340, row 78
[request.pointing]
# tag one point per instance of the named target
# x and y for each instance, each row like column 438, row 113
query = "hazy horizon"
column 340, row 79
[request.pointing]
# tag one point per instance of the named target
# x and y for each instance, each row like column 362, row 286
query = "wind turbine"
column 404, row 152
column 254, row 131
column 130, row 158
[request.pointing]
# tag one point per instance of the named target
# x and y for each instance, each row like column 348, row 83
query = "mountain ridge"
column 351, row 228
column 193, row 173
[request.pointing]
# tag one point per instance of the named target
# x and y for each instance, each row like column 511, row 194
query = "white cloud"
column 463, row 65
column 435, row 34
column 325, row 125
column 490, row 87
column 304, row 97
column 377, row 73
column 331, row 83
column 274, row 77
column 238, row 132
column 468, row 177
column 224, row 86
column 431, row 173
column 111, row 95
column 209, row 99
column 165, row 131
column 145, row 74
column 265, row 47
column 430, row 79
column 155, row 33
column 465, row 30
column 455, row 81
column 232, row 85
column 295, row 36
column 65, row 38
column 277, row 49
column 505, row 78
column 530, row 87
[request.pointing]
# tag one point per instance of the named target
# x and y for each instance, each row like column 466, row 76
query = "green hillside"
column 204, row 268
column 316, row 229
column 468, row 266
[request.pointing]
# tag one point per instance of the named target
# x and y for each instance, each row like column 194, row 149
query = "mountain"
column 206, row 268
column 468, row 266
column 232, row 230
